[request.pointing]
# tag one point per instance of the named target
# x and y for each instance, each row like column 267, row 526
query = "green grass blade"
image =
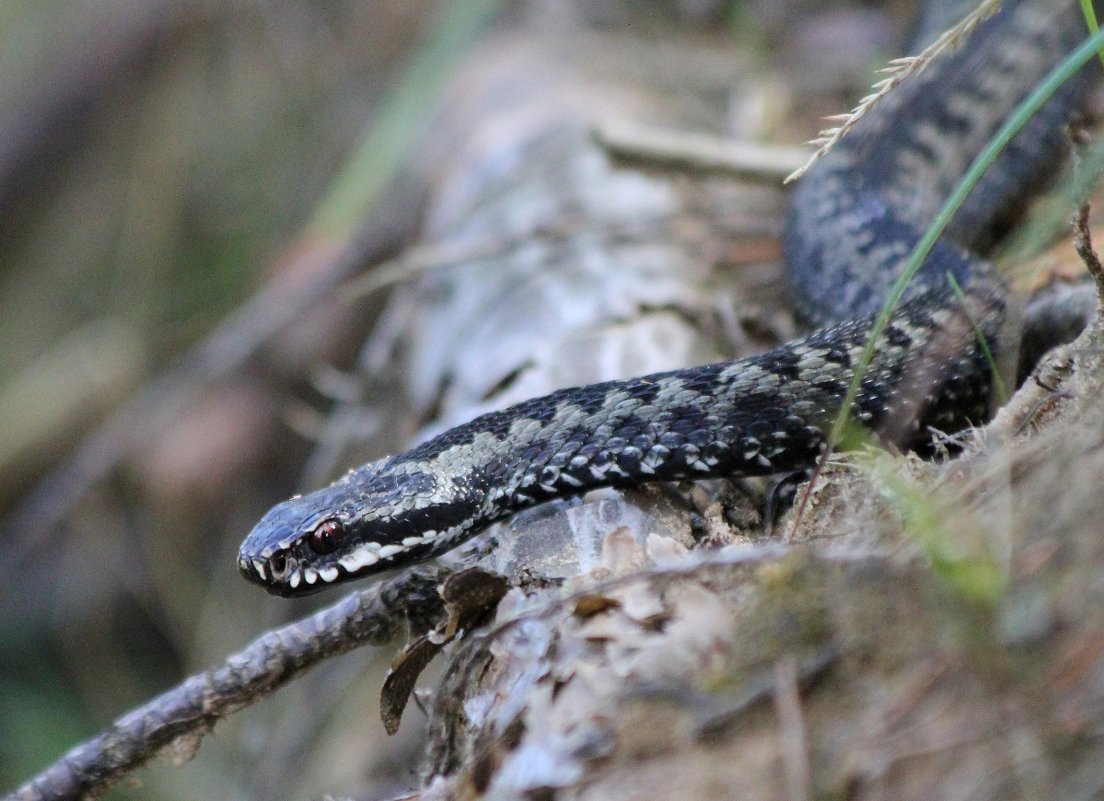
column 1001, row 388
column 1027, row 108
column 1090, row 21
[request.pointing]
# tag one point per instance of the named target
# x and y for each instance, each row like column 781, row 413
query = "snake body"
column 855, row 218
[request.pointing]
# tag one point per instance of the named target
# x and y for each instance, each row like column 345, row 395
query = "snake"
column 854, row 219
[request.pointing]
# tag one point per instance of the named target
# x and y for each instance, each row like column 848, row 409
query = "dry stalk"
column 898, row 70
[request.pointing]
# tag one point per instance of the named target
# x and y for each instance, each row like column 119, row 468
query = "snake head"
column 373, row 519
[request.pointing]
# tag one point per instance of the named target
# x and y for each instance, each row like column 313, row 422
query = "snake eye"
column 326, row 537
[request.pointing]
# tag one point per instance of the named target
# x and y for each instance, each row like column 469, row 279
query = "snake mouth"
column 288, row 573
column 285, row 575
column 279, row 573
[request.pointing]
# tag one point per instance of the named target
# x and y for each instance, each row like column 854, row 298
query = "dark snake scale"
column 855, row 218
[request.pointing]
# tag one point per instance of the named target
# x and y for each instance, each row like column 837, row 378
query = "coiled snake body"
column 855, row 219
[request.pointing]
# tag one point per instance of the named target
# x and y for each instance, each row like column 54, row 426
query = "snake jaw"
column 288, row 570
column 292, row 572
column 344, row 531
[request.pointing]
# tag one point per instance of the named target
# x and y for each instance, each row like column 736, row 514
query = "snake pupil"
column 326, row 537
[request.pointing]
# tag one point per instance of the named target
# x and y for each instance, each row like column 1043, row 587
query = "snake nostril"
column 278, row 564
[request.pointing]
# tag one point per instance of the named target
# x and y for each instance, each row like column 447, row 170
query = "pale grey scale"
column 855, row 218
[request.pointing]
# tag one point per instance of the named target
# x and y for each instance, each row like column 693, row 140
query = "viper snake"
column 854, row 220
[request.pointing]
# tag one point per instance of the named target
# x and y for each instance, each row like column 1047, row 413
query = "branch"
column 1082, row 243
column 181, row 716
column 692, row 150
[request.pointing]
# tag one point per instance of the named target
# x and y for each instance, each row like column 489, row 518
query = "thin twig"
column 1082, row 243
column 181, row 716
column 794, row 741
column 1054, row 384
column 700, row 151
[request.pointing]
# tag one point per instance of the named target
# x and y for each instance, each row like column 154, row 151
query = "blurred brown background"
column 161, row 162
column 164, row 166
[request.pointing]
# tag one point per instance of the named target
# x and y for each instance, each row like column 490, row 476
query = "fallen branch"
column 180, row 717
